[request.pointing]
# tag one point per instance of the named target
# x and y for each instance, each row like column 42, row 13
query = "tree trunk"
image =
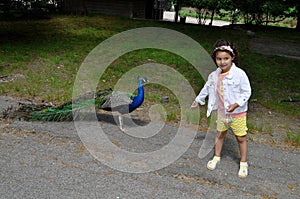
column 176, row 11
column 212, row 17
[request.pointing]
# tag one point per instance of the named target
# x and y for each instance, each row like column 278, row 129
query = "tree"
column 27, row 8
column 265, row 11
column 274, row 11
column 250, row 9
column 298, row 16
column 296, row 12
column 206, row 7
column 256, row 12
column 203, row 7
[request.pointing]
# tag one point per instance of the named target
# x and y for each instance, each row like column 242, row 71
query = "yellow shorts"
column 238, row 125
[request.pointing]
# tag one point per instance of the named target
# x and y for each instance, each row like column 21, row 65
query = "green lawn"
column 43, row 57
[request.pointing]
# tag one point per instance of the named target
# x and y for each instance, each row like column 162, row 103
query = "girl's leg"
column 222, row 131
column 242, row 140
column 211, row 165
column 239, row 128
column 243, row 146
column 219, row 143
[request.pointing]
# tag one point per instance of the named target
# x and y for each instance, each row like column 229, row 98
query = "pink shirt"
column 220, row 91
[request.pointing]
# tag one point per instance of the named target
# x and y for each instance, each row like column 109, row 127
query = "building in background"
column 144, row 9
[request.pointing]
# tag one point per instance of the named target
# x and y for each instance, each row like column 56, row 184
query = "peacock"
column 106, row 99
column 122, row 103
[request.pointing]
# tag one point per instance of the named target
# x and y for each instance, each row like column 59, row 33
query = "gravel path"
column 48, row 160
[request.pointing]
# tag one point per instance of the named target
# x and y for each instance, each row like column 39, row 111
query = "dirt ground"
column 271, row 47
column 271, row 128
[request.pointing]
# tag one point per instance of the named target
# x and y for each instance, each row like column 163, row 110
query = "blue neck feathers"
column 138, row 99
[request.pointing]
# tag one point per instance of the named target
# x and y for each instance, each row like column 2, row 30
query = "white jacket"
column 236, row 86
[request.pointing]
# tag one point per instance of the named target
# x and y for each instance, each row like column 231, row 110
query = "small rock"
column 250, row 33
column 5, row 65
column 165, row 99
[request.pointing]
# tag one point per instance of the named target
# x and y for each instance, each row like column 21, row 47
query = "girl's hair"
column 224, row 45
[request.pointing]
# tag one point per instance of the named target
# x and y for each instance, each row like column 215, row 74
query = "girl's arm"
column 202, row 95
column 204, row 91
column 245, row 90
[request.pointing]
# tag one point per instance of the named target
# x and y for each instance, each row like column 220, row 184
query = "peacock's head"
column 142, row 80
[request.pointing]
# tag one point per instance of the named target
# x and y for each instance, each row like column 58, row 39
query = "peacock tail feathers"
column 103, row 99
column 51, row 114
column 64, row 111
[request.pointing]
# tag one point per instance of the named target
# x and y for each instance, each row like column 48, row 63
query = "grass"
column 48, row 54
column 293, row 138
column 259, row 128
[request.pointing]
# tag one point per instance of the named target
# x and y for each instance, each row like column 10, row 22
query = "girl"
column 228, row 90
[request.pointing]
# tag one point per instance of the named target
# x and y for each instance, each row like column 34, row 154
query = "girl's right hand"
column 194, row 104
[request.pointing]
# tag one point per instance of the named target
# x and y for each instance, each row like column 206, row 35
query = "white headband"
column 224, row 48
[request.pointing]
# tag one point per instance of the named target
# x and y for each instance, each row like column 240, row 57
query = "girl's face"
column 224, row 60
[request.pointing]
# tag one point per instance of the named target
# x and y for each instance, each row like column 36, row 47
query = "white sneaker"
column 243, row 172
column 211, row 165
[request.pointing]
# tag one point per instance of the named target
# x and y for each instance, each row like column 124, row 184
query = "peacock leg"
column 121, row 122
